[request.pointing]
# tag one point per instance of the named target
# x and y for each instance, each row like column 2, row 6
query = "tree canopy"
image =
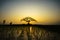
column 28, row 19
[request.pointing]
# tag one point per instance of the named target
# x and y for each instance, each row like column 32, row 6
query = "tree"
column 4, row 21
column 28, row 19
column 10, row 23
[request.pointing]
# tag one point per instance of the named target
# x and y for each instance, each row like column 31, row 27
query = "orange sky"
column 43, row 12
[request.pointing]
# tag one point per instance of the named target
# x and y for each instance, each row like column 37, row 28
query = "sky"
column 46, row 12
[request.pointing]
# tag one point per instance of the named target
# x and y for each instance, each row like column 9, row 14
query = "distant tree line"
column 4, row 21
column 27, row 19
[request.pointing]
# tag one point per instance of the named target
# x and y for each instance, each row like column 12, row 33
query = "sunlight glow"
column 44, row 13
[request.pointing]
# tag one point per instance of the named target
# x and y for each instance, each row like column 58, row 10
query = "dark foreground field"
column 29, row 32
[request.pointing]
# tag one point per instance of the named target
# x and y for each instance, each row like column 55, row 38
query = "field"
column 29, row 32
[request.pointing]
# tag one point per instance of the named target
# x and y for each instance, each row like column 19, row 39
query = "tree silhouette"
column 4, row 21
column 28, row 19
column 10, row 23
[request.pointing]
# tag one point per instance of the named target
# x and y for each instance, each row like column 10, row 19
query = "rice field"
column 27, row 33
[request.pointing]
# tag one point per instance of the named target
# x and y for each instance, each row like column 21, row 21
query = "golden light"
column 44, row 13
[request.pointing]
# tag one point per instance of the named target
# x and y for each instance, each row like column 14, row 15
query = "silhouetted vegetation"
column 28, row 31
column 28, row 19
column 10, row 23
column 4, row 21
